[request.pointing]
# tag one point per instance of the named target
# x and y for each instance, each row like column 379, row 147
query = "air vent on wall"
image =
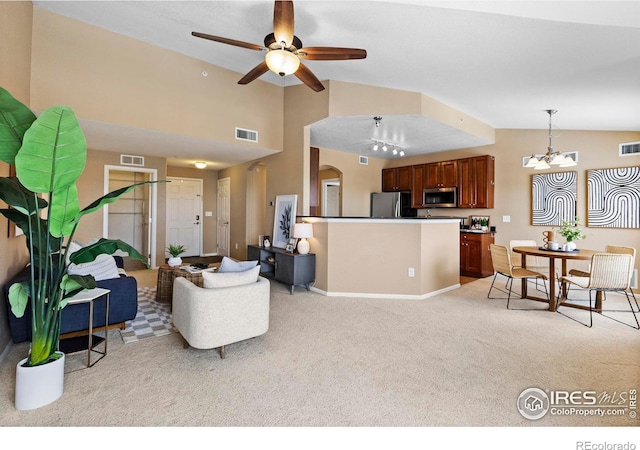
column 364, row 160
column 630, row 148
column 130, row 160
column 246, row 135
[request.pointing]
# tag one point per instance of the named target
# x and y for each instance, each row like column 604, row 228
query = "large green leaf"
column 72, row 284
column 15, row 120
column 63, row 215
column 108, row 246
column 53, row 152
column 37, row 235
column 113, row 196
column 18, row 297
column 17, row 196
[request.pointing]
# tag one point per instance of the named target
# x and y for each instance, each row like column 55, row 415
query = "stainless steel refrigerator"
column 392, row 204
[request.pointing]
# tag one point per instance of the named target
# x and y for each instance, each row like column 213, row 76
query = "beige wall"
column 112, row 78
column 372, row 257
column 358, row 180
column 15, row 68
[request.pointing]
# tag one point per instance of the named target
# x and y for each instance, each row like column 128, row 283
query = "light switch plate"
column 506, row 219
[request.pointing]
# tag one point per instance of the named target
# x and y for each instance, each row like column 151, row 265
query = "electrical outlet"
column 412, row 272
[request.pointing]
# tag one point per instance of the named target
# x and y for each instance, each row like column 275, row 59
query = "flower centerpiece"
column 572, row 232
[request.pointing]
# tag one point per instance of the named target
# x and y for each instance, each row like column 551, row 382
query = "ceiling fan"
column 284, row 50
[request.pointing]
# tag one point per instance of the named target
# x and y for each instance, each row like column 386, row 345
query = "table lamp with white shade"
column 303, row 231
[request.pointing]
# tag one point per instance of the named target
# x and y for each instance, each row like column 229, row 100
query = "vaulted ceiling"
column 503, row 63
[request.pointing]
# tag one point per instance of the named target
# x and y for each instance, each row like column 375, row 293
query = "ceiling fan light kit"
column 282, row 62
column 284, row 50
column 551, row 158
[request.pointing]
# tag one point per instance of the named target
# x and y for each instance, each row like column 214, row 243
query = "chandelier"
column 551, row 158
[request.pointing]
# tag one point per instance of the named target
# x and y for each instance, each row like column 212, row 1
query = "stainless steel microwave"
column 440, row 197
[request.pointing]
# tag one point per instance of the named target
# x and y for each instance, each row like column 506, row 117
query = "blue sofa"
column 123, row 306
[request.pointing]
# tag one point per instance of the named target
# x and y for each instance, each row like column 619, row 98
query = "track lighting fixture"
column 377, row 120
column 395, row 149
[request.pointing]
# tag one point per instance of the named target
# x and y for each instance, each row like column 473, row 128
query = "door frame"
column 200, row 210
column 226, row 180
column 153, row 194
column 325, row 184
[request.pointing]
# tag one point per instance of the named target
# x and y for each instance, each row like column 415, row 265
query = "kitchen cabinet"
column 418, row 185
column 475, row 255
column 292, row 269
column 440, row 174
column 476, row 182
column 397, row 179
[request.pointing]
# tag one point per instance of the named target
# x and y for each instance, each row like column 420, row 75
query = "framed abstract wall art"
column 553, row 198
column 283, row 219
column 613, row 198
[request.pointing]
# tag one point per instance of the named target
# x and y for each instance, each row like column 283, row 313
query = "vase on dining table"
column 571, row 246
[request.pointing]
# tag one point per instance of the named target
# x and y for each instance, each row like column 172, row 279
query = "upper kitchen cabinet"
column 418, row 185
column 397, row 179
column 476, row 182
column 440, row 174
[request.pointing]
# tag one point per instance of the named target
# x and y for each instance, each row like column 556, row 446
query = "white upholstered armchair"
column 214, row 317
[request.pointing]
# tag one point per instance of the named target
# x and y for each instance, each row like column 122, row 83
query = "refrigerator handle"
column 397, row 207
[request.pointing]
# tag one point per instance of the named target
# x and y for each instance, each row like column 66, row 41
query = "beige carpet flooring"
column 457, row 359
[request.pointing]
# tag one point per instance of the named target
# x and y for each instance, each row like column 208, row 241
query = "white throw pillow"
column 229, row 279
column 103, row 268
column 229, row 265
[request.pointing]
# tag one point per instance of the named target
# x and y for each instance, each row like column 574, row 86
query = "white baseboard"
column 391, row 296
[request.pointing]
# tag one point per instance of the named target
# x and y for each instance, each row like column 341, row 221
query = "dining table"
column 552, row 256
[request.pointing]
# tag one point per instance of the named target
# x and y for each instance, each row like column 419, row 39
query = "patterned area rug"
column 153, row 319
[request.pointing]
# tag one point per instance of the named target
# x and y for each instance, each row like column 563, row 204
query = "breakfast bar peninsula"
column 407, row 258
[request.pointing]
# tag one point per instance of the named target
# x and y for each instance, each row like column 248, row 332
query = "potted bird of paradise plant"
column 49, row 154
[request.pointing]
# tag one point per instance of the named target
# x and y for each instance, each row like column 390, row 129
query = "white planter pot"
column 38, row 386
column 571, row 246
column 174, row 261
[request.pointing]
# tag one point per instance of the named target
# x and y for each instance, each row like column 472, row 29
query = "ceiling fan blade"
column 307, row 77
column 257, row 71
column 331, row 53
column 228, row 41
column 283, row 22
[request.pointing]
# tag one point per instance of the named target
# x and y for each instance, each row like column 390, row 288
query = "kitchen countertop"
column 476, row 231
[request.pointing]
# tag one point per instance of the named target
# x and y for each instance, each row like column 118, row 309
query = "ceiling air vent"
column 130, row 160
column 246, row 135
column 630, row 148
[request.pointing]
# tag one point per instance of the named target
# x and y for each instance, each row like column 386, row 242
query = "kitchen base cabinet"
column 292, row 269
column 475, row 255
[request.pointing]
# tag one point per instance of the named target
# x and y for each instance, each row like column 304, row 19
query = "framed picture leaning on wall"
column 283, row 219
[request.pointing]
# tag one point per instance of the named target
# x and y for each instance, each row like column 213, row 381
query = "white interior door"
column 184, row 214
column 224, row 214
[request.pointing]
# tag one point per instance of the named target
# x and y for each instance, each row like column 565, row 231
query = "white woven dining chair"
column 617, row 249
column 501, row 260
column 609, row 273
